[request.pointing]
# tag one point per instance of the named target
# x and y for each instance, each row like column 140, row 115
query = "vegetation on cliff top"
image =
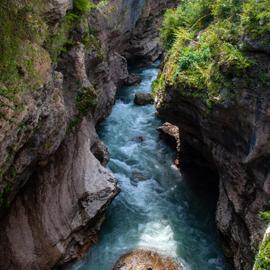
column 31, row 41
column 206, row 48
column 25, row 34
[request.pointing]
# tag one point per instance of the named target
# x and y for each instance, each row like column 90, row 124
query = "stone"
column 100, row 151
column 138, row 176
column 233, row 143
column 57, row 9
column 133, row 79
column 145, row 260
column 60, row 210
column 138, row 139
column 142, row 99
column 171, row 133
column 56, row 190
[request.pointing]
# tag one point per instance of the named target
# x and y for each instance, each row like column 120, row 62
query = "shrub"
column 263, row 257
column 194, row 14
column 83, row 6
column 203, row 41
column 255, row 18
column 86, row 99
column 265, row 215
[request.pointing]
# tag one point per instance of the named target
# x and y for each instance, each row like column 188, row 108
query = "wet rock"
column 138, row 176
column 138, row 139
column 142, row 99
column 145, row 260
column 133, row 79
column 171, row 134
column 100, row 151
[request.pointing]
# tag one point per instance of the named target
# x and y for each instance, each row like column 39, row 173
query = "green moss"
column 263, row 257
column 59, row 40
column 83, row 6
column 24, row 30
column 23, row 37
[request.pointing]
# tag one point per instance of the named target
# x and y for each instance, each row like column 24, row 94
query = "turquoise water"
column 162, row 212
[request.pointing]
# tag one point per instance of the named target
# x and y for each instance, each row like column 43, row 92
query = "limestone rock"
column 53, row 189
column 145, row 260
column 56, row 9
column 60, row 210
column 133, row 79
column 232, row 139
column 100, row 151
column 171, row 133
column 142, row 99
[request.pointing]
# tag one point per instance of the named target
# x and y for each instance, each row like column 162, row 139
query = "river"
column 156, row 209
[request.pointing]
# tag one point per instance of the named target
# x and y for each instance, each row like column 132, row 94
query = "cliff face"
column 230, row 137
column 222, row 109
column 54, row 191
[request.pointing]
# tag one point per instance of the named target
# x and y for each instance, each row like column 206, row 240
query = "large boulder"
column 142, row 99
column 145, row 260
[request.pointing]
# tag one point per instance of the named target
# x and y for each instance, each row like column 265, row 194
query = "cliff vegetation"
column 208, row 43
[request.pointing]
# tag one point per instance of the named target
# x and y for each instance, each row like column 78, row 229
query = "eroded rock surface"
column 233, row 139
column 60, row 210
column 145, row 260
column 142, row 99
column 53, row 189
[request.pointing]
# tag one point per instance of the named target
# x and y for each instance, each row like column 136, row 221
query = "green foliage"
column 224, row 9
column 83, row 6
column 190, row 14
column 255, row 18
column 24, row 35
column 265, row 215
column 86, row 99
column 204, row 40
column 263, row 257
column 190, row 57
column 59, row 39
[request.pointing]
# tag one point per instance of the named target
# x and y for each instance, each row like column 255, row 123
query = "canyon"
column 55, row 188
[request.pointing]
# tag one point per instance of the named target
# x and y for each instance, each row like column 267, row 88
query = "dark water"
column 162, row 212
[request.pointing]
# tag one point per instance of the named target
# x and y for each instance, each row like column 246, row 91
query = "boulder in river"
column 143, row 99
column 133, row 79
column 138, row 176
column 145, row 260
column 138, row 139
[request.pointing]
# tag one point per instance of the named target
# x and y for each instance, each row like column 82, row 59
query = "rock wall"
column 232, row 138
column 54, row 192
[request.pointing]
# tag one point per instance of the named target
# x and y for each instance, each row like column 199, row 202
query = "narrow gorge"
column 89, row 173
